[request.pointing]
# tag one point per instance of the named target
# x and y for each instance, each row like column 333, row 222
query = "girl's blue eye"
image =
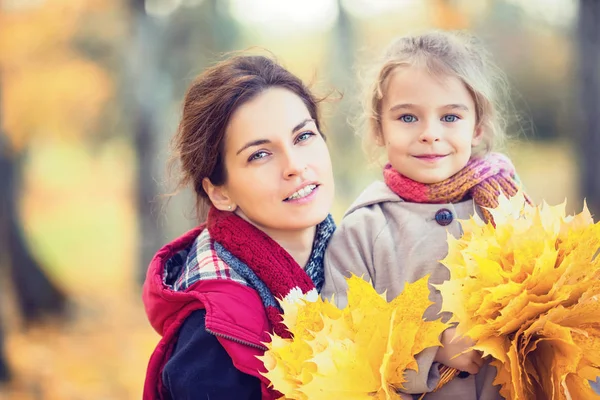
column 304, row 136
column 408, row 118
column 258, row 155
column 450, row 118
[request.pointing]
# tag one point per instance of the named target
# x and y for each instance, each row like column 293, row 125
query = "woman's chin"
column 306, row 222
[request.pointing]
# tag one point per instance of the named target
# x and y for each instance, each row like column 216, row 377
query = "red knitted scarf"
column 266, row 258
column 482, row 179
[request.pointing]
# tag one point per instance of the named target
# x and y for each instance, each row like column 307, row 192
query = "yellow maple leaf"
column 360, row 352
column 526, row 289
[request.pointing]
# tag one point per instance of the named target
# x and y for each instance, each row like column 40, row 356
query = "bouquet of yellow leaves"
column 527, row 291
column 360, row 352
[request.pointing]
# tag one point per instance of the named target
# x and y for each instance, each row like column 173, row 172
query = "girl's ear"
column 218, row 195
column 477, row 136
column 379, row 139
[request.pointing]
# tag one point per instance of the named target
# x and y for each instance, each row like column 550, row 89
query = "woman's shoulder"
column 200, row 365
column 200, row 262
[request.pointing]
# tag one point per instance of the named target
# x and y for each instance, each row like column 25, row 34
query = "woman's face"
column 279, row 174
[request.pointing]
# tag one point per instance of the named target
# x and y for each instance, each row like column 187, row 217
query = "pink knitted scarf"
column 482, row 179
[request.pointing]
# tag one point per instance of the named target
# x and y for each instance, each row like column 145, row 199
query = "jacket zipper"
column 234, row 339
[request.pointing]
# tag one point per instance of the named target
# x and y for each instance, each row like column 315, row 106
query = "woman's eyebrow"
column 257, row 142
column 302, row 124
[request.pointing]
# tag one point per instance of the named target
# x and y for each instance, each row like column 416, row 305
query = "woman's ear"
column 218, row 196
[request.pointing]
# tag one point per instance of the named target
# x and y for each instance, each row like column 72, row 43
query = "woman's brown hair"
column 208, row 105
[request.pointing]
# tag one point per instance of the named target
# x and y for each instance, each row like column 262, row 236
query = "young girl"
column 434, row 109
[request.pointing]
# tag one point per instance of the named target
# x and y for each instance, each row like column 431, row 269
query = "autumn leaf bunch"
column 527, row 291
column 359, row 352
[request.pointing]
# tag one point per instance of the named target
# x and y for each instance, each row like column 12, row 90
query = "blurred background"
column 90, row 94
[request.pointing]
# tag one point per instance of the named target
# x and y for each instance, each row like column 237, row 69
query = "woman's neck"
column 298, row 243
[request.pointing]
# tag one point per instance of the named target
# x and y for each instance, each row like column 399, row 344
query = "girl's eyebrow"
column 409, row 106
column 456, row 107
column 402, row 106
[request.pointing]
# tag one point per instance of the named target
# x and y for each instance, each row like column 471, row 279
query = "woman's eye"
column 408, row 118
column 258, row 155
column 304, row 136
column 450, row 118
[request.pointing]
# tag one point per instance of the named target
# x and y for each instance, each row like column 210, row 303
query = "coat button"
column 444, row 217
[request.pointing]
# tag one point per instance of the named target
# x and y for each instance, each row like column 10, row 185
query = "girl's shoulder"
column 369, row 214
column 378, row 206
column 376, row 193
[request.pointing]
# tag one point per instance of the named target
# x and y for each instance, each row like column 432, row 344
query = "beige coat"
column 389, row 241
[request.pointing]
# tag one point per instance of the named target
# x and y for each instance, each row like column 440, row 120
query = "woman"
column 250, row 145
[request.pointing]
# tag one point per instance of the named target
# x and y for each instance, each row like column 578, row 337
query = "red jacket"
column 234, row 314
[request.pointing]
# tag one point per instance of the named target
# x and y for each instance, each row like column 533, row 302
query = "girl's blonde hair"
column 442, row 53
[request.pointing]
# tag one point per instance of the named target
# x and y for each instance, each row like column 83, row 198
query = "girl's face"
column 279, row 174
column 428, row 124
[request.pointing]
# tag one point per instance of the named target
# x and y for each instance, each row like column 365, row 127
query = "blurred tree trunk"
column 177, row 46
column 37, row 296
column 145, row 82
column 589, row 138
column 223, row 30
column 4, row 168
column 341, row 76
column 342, row 52
column 4, row 372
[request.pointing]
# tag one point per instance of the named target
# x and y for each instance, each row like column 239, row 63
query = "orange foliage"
column 85, row 231
column 102, row 354
column 447, row 16
column 47, row 87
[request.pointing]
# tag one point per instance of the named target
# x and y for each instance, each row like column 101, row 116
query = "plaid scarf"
column 482, row 179
column 265, row 265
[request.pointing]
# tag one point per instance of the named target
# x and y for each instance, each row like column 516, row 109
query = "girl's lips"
column 429, row 157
